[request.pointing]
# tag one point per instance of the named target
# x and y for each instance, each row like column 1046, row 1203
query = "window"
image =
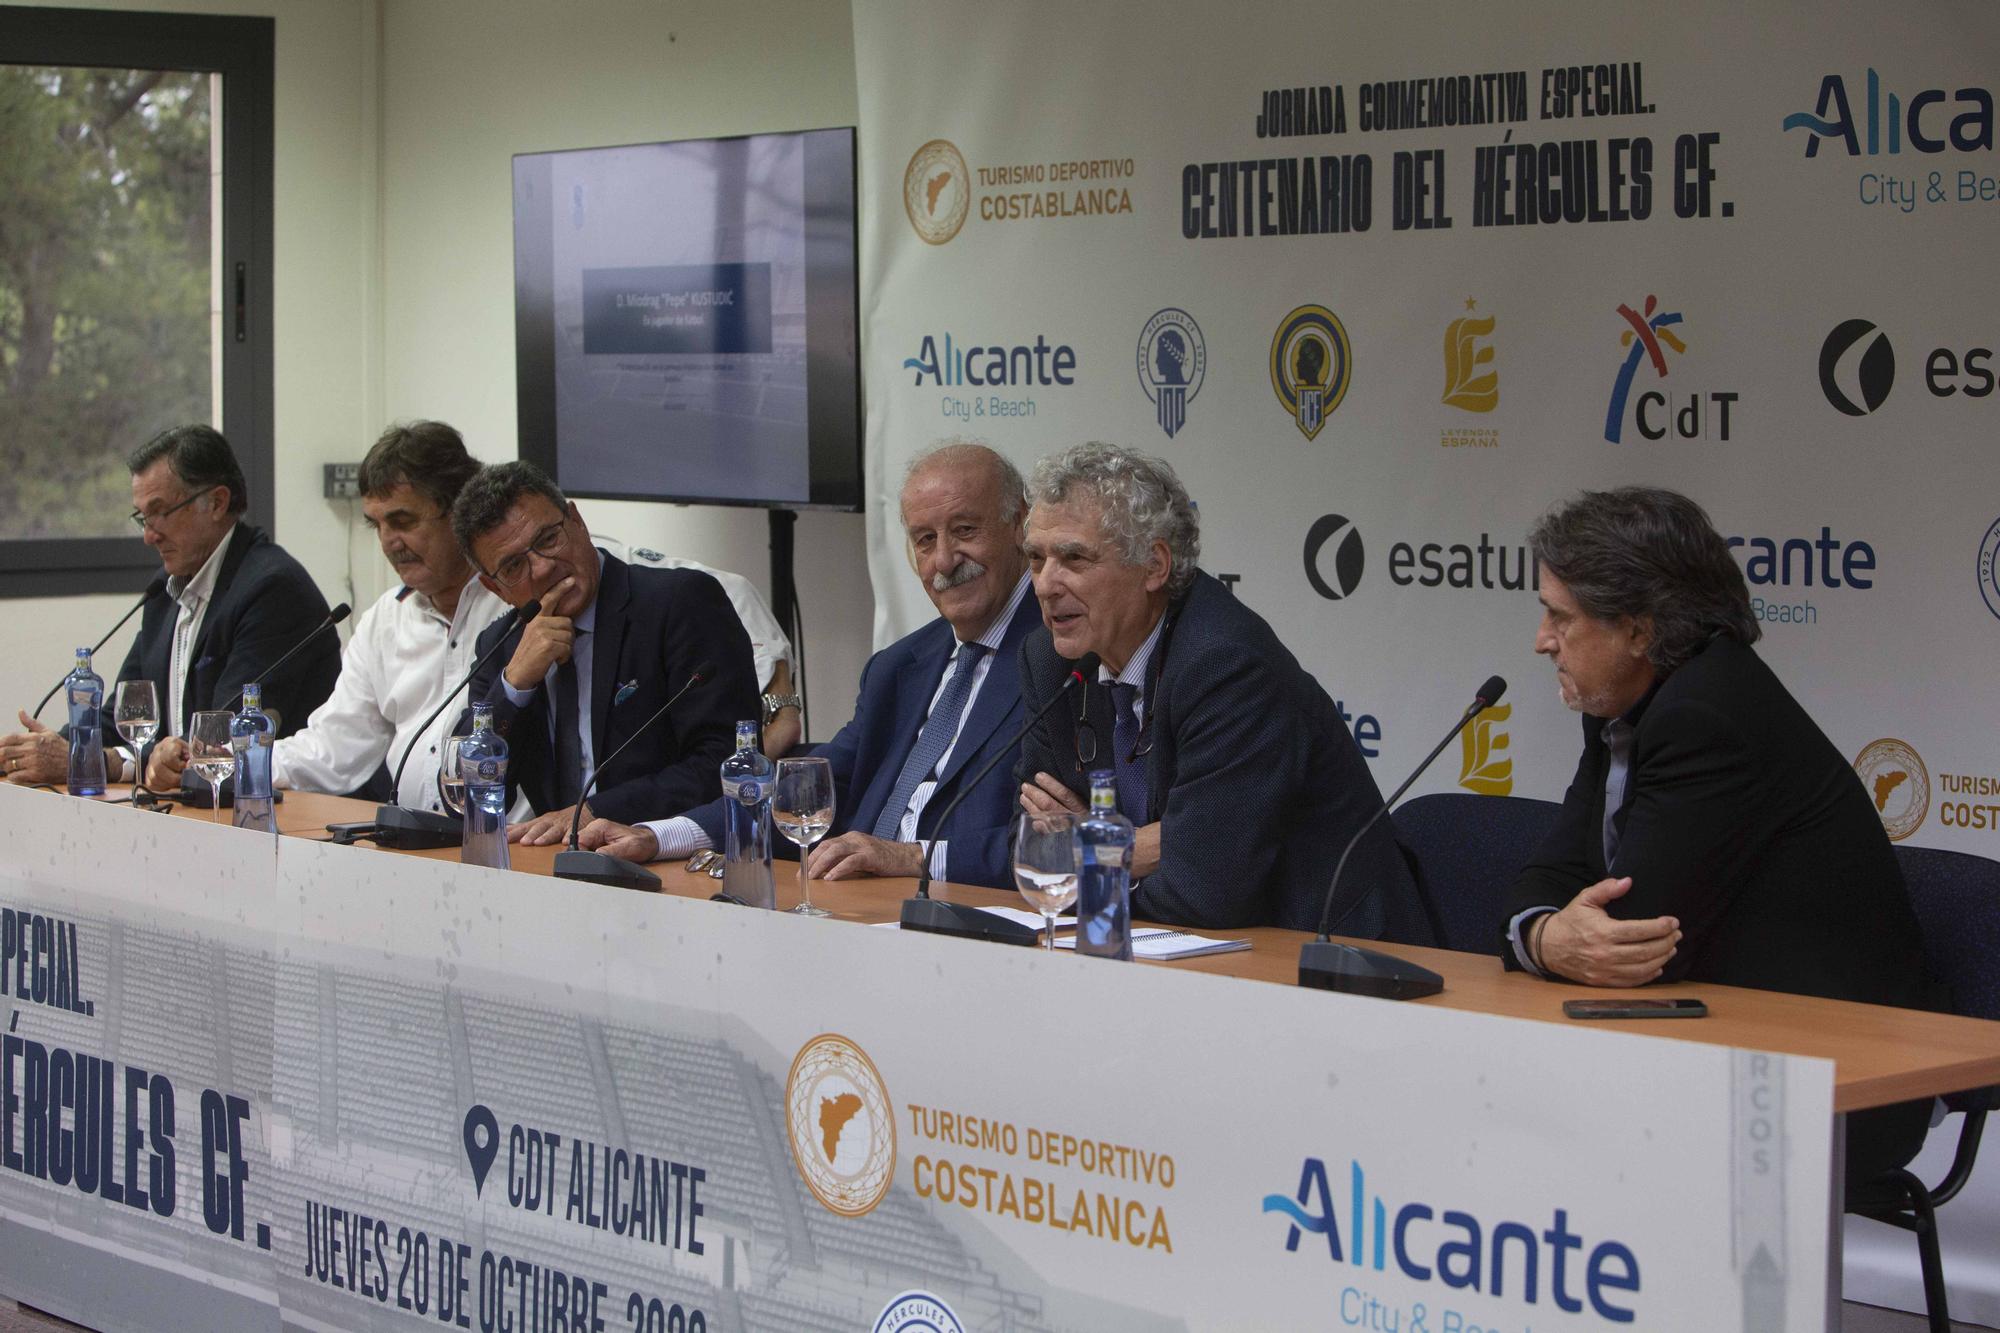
column 135, row 272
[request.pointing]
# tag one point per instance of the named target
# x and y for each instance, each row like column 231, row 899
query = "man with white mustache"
column 934, row 706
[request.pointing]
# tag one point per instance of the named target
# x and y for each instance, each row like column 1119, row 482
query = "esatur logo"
column 840, row 1124
column 1334, row 557
column 1857, row 367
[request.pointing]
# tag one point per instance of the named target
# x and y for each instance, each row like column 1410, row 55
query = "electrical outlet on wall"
column 343, row 481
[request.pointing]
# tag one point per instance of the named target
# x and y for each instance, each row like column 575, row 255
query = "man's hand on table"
column 628, row 841
column 1585, row 943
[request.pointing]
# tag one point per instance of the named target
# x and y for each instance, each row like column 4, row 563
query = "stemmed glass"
column 1048, row 855
column 803, row 811
column 210, row 754
column 451, row 778
column 136, row 710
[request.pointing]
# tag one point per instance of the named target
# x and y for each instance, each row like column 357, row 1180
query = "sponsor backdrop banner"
column 1384, row 285
column 668, row 1115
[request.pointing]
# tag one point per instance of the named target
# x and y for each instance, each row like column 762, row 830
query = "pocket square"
column 625, row 691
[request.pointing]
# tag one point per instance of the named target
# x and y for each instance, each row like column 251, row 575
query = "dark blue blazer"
column 867, row 754
column 654, row 626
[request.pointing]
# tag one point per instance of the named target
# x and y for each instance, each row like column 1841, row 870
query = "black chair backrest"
column 1957, row 899
column 1467, row 850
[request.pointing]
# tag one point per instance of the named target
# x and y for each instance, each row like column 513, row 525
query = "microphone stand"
column 196, row 793
column 396, row 825
column 1325, row 965
column 603, row 867
column 935, row 916
column 153, row 590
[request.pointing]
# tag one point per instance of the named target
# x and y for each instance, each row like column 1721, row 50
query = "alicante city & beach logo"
column 1898, row 783
column 936, row 192
column 1312, row 364
column 840, row 1124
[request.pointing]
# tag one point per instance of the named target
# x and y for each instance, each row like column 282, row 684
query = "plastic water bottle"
column 747, row 788
column 1104, row 892
column 250, row 736
column 85, row 691
column 482, row 759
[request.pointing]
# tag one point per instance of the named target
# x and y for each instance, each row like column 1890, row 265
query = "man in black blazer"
column 613, row 642
column 1712, row 832
column 1232, row 761
column 233, row 603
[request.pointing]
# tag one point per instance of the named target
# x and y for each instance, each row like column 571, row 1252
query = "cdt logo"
column 1898, row 783
column 840, row 1124
column 1334, row 557
column 1698, row 416
column 1457, row 1249
column 937, row 193
column 1872, row 372
column 1173, row 361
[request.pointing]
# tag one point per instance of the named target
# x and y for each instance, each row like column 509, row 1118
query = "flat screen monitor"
column 685, row 320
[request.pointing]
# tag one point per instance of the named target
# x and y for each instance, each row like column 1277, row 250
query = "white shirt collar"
column 1135, row 670
column 197, row 590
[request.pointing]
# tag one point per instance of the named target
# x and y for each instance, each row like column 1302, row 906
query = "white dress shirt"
column 768, row 644
column 193, row 595
column 401, row 659
column 681, row 836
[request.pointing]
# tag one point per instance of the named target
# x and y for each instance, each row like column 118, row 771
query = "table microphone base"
column 937, row 917
column 410, row 830
column 1324, row 965
column 604, row 868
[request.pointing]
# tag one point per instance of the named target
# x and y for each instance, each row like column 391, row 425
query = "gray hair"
column 1645, row 551
column 200, row 460
column 1142, row 500
column 961, row 451
column 485, row 499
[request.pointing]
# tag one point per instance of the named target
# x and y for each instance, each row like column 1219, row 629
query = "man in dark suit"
column 613, row 642
column 935, row 706
column 233, row 604
column 1232, row 761
column 1712, row 832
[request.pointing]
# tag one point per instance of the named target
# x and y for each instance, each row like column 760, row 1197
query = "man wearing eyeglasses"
column 234, row 602
column 612, row 643
column 1231, row 760
column 935, row 706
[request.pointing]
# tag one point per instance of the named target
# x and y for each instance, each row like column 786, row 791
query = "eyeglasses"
column 1086, row 737
column 509, row 572
column 145, row 521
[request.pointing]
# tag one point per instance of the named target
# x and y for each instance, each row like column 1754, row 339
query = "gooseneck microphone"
column 602, row 867
column 153, row 589
column 1325, row 965
column 939, row 917
column 396, row 825
column 333, row 617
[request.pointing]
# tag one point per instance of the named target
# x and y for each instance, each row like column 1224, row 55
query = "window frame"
column 243, row 51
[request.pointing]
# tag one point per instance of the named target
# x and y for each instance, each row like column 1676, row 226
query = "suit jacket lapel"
column 999, row 699
column 241, row 539
column 614, row 591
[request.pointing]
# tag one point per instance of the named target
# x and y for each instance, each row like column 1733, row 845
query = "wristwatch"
column 773, row 703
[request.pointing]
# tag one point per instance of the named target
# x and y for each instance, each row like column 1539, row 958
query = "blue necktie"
column 1618, row 737
column 1131, row 770
column 936, row 737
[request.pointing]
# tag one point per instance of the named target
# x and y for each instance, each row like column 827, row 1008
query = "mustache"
column 966, row 572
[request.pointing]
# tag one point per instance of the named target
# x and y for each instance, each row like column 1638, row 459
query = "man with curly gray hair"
column 1231, row 760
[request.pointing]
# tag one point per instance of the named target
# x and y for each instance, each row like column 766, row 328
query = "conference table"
column 1878, row 1055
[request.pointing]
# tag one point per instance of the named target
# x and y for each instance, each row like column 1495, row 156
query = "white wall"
column 396, row 120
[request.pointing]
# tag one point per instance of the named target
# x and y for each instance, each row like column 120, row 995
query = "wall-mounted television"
column 685, row 323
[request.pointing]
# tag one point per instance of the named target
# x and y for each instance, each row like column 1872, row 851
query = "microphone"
column 602, row 867
column 397, row 825
column 196, row 793
column 1325, row 965
column 153, row 589
column 333, row 617
column 938, row 917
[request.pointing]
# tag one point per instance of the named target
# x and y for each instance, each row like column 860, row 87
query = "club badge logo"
column 918, row 1312
column 840, row 1124
column 937, row 193
column 1898, row 783
column 1311, row 366
column 1173, row 361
